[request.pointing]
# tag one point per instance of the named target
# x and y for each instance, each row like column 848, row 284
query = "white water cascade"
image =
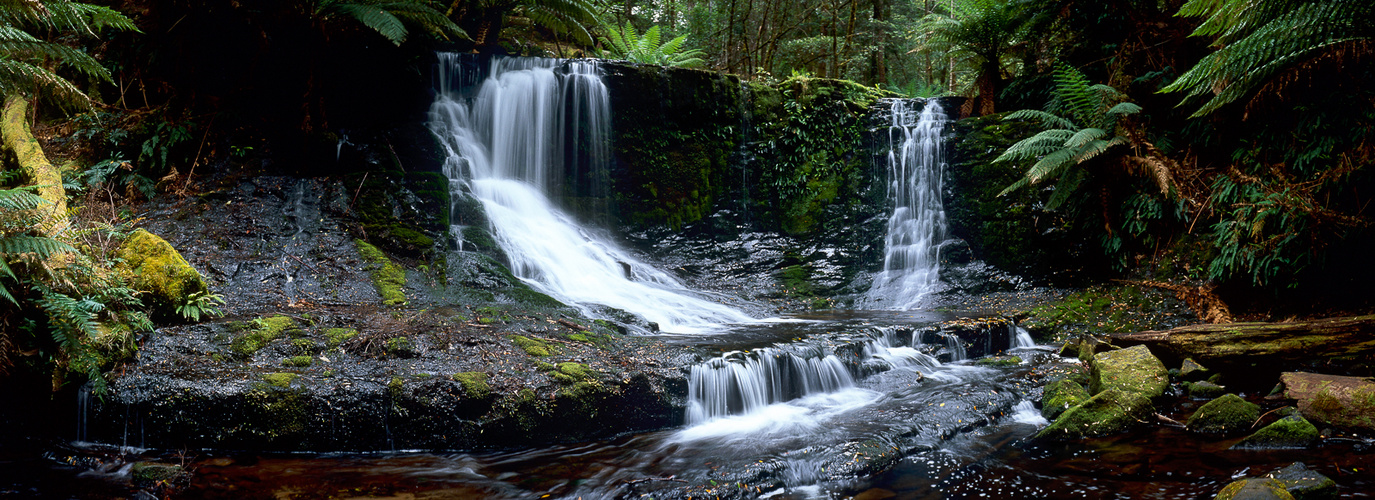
column 508, row 143
column 740, row 383
column 911, row 261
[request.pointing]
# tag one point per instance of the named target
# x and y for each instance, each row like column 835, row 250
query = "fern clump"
column 623, row 42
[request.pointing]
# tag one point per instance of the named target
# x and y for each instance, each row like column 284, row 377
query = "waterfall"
column 738, row 383
column 911, row 261
column 513, row 143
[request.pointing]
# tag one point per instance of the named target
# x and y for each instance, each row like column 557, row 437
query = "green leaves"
column 1259, row 42
column 393, row 19
column 25, row 59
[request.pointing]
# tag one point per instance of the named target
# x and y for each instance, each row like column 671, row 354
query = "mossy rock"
column 155, row 268
column 1204, row 390
column 387, row 277
column 1061, row 395
column 998, row 361
column 1190, row 370
column 1226, row 415
column 1304, row 483
column 474, row 384
column 402, row 347
column 1134, row 370
column 1109, row 412
column 1293, row 431
column 1254, row 489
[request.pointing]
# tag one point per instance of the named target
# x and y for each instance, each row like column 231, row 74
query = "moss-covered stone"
column 1108, row 412
column 1289, row 432
column 1061, row 395
column 999, row 361
column 155, row 268
column 1254, row 489
column 1304, row 483
column 531, row 346
column 1134, row 370
column 474, row 384
column 336, row 336
column 1204, row 390
column 280, row 379
column 1226, row 415
column 1190, row 370
column 388, row 278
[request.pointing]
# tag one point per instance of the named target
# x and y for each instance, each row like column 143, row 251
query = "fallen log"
column 1331, row 343
column 1334, row 400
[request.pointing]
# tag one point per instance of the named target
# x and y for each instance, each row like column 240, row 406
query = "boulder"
column 1108, row 412
column 1132, row 370
column 1254, row 489
column 1061, row 395
column 1292, row 431
column 155, row 268
column 1304, row 483
column 1192, row 371
column 1204, row 390
column 1334, row 400
column 1228, row 414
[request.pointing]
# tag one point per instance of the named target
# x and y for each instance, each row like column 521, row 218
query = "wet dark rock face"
column 308, row 358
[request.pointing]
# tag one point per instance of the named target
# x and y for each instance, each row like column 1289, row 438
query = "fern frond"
column 20, row 199
column 40, row 246
column 1046, row 118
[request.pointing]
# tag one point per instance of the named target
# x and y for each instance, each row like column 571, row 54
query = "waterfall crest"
column 530, row 122
column 911, row 261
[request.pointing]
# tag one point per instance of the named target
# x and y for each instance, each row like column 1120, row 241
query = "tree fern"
column 1258, row 40
column 393, row 19
column 1084, row 122
column 24, row 57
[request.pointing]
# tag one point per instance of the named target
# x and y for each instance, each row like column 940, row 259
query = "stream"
column 903, row 425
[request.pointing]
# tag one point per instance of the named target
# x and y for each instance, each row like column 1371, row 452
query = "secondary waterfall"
column 513, row 142
column 911, row 261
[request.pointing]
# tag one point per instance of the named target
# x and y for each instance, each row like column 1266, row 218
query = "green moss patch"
column 570, row 373
column 336, row 336
column 1254, row 488
column 474, row 384
column 531, row 346
column 1061, row 395
column 255, row 335
column 1133, row 370
column 999, row 361
column 298, row 361
column 280, row 379
column 388, row 278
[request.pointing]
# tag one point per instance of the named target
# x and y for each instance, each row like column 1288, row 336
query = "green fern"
column 1084, row 122
column 25, row 58
column 1260, row 41
column 625, row 43
column 393, row 19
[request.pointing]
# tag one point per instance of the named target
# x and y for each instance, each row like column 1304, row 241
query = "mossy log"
column 33, row 164
column 1331, row 399
column 1270, row 346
